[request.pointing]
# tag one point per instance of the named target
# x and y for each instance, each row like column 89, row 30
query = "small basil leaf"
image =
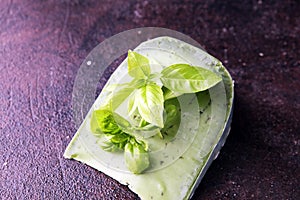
column 150, row 102
column 119, row 138
column 136, row 158
column 185, row 78
column 103, row 121
column 171, row 111
column 138, row 65
column 95, row 123
column 173, row 116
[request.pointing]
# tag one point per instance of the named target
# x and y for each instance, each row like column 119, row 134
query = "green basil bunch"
column 150, row 106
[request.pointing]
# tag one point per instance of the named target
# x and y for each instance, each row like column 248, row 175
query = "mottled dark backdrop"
column 42, row 44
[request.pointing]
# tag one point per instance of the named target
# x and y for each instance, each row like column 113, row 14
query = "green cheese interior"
column 177, row 163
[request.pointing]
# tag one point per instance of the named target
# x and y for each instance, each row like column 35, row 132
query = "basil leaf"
column 95, row 123
column 185, row 78
column 138, row 65
column 102, row 121
column 119, row 138
column 108, row 122
column 136, row 157
column 150, row 102
column 171, row 111
column 173, row 118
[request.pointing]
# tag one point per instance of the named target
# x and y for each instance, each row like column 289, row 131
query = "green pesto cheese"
column 177, row 163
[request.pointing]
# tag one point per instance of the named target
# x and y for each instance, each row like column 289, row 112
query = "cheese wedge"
column 178, row 165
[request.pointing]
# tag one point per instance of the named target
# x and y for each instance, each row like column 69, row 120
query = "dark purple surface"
column 42, row 44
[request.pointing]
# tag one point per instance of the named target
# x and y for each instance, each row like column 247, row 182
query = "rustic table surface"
column 43, row 43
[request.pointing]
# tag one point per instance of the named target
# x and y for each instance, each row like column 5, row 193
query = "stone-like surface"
column 42, row 44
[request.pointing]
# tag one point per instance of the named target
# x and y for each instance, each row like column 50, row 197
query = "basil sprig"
column 146, row 106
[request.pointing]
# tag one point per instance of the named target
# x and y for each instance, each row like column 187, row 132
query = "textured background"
column 42, row 44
